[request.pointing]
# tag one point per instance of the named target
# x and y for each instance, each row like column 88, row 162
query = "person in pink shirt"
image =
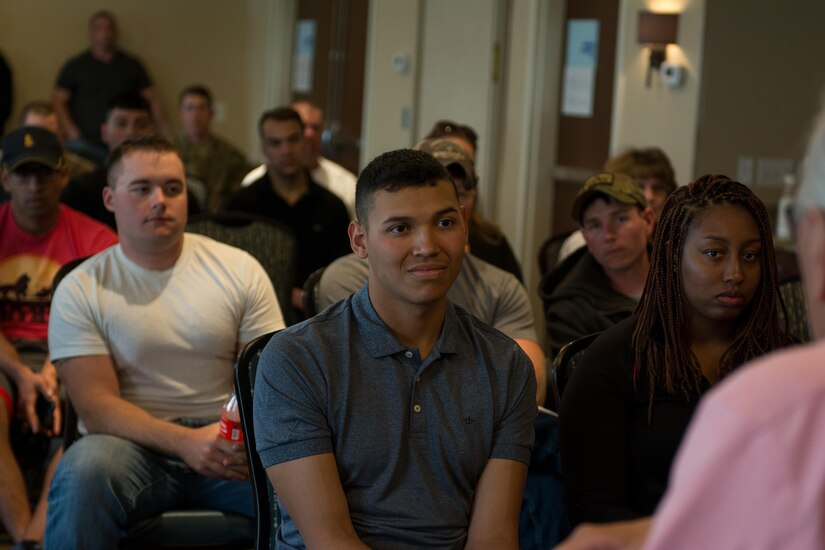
column 37, row 236
column 751, row 471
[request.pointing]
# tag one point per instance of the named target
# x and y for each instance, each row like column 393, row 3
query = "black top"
column 615, row 465
column 497, row 253
column 579, row 300
column 94, row 84
column 319, row 220
column 5, row 93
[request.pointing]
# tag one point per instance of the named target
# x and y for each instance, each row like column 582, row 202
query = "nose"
column 158, row 198
column 733, row 270
column 425, row 243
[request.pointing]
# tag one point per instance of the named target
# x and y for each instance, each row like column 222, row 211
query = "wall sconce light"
column 657, row 30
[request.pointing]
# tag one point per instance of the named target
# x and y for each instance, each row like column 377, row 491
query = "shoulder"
column 81, row 58
column 207, row 249
column 88, row 224
column 774, row 385
column 494, row 343
column 611, row 354
column 335, row 170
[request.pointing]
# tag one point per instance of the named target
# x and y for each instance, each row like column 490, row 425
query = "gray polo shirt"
column 410, row 436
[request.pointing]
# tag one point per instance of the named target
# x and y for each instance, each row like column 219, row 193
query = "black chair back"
column 310, row 292
column 563, row 366
column 266, row 502
column 271, row 243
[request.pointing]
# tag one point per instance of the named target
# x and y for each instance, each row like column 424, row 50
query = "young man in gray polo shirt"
column 394, row 419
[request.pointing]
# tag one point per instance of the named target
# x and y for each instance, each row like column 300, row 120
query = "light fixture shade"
column 657, row 28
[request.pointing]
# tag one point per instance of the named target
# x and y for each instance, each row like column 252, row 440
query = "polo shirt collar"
column 380, row 341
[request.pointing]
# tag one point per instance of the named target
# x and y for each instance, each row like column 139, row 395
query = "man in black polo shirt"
column 287, row 193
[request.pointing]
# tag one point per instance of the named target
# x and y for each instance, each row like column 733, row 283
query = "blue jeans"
column 104, row 484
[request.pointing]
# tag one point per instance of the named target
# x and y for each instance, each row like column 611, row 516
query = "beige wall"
column 389, row 95
column 224, row 45
column 761, row 89
column 659, row 115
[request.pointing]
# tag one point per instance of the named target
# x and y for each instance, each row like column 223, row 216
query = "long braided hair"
column 663, row 308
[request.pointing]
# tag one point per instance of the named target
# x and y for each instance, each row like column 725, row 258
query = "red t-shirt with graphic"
column 28, row 265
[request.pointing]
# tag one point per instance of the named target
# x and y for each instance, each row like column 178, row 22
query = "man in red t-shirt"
column 37, row 236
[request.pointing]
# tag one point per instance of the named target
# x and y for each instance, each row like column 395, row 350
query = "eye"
column 173, row 189
column 712, row 253
column 397, row 229
column 445, row 222
column 139, row 189
column 752, row 255
column 623, row 218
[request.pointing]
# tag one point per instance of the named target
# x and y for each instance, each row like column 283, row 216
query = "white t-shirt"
column 172, row 335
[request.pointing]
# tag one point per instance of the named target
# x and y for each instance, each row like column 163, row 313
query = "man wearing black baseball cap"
column 39, row 235
column 599, row 286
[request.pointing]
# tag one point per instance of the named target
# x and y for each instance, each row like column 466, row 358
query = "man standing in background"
column 88, row 82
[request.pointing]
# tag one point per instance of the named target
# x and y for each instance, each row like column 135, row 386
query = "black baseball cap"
column 31, row 144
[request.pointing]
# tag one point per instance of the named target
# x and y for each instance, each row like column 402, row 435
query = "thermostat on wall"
column 672, row 75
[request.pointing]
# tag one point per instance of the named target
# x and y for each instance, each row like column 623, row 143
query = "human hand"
column 209, row 454
column 621, row 535
column 30, row 385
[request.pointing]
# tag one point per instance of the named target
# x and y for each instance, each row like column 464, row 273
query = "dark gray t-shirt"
column 94, row 84
column 493, row 295
column 410, row 436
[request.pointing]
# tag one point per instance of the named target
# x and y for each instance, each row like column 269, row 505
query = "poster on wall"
column 303, row 62
column 579, row 79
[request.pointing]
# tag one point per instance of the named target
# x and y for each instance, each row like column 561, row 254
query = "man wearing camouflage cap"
column 599, row 286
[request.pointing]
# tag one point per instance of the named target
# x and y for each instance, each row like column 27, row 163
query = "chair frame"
column 559, row 373
column 264, row 509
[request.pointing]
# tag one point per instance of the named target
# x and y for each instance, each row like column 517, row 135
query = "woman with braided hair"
column 710, row 304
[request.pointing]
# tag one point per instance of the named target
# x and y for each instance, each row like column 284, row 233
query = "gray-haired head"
column 811, row 190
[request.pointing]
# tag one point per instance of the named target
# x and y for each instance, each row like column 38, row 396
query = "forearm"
column 10, row 363
column 60, row 99
column 158, row 113
column 113, row 415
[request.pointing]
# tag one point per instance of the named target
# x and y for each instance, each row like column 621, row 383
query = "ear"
column 4, row 180
column 649, row 218
column 64, row 177
column 465, row 218
column 358, row 239
column 108, row 199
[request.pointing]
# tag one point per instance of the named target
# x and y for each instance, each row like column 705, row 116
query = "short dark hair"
column 394, row 171
column 644, row 163
column 196, row 89
column 154, row 143
column 104, row 14
column 39, row 107
column 281, row 114
column 131, row 101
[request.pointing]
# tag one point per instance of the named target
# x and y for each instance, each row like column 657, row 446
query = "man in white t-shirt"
column 144, row 336
column 324, row 172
